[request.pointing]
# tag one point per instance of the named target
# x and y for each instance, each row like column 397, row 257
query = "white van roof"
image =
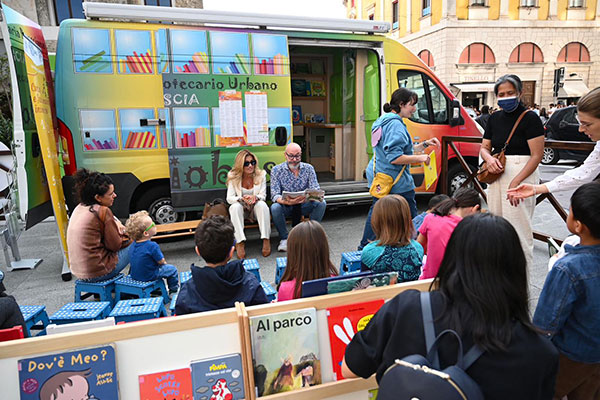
column 130, row 12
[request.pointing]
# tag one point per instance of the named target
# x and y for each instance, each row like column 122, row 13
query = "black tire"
column 157, row 201
column 550, row 156
column 457, row 176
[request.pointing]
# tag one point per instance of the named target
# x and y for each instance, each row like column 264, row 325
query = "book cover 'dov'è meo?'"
column 285, row 351
column 218, row 378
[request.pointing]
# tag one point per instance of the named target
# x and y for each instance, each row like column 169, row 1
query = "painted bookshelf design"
column 164, row 131
column 134, row 54
column 200, row 137
column 271, row 55
column 140, row 140
column 133, row 135
column 91, row 50
column 225, row 44
column 189, row 50
column 197, row 65
column 98, row 130
column 192, row 127
column 162, row 60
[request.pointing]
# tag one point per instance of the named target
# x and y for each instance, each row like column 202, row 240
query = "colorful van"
column 164, row 108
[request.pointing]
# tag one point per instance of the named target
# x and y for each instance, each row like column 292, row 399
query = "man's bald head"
column 293, row 148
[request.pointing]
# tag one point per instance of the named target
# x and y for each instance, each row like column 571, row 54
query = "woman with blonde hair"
column 246, row 194
column 307, row 259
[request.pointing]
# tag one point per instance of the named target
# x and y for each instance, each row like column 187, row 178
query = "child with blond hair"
column 147, row 261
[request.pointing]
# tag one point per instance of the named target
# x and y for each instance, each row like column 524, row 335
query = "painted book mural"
column 285, row 351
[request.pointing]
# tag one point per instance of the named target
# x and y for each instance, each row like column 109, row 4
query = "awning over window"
column 474, row 87
column 573, row 88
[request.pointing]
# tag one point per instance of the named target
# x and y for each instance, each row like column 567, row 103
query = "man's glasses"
column 248, row 163
column 583, row 124
column 152, row 225
column 294, row 156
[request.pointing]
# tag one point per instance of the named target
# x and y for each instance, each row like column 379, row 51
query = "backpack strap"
column 472, row 355
column 428, row 326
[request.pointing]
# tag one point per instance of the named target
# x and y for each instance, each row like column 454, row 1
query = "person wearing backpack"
column 482, row 295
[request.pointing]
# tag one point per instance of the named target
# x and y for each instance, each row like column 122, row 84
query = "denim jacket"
column 569, row 306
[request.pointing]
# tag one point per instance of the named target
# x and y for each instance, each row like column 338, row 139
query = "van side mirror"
column 280, row 136
column 455, row 117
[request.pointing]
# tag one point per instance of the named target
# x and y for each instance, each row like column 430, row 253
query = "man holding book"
column 295, row 191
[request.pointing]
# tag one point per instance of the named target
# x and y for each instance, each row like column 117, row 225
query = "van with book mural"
column 163, row 108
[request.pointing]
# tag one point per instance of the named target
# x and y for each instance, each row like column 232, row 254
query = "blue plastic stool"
column 34, row 315
column 104, row 289
column 184, row 276
column 269, row 291
column 139, row 288
column 138, row 309
column 251, row 265
column 350, row 262
column 173, row 303
column 281, row 264
column 81, row 311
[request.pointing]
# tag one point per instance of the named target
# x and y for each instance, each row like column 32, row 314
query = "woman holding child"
column 246, row 194
column 96, row 239
column 393, row 152
column 481, row 293
column 523, row 150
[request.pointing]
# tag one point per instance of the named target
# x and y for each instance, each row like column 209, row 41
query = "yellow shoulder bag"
column 383, row 183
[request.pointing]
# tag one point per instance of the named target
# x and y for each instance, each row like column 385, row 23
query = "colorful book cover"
column 218, row 378
column 285, row 351
column 364, row 282
column 82, row 374
column 343, row 323
column 166, row 385
column 317, row 88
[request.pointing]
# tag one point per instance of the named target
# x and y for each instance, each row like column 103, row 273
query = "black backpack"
column 420, row 378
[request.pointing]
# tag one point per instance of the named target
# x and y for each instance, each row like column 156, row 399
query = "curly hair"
column 135, row 225
column 88, row 184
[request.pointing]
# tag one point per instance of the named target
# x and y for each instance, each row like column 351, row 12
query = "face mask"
column 508, row 104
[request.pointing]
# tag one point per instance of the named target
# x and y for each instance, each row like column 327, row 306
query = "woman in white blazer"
column 246, row 194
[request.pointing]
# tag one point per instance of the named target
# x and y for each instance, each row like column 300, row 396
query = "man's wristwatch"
column 425, row 145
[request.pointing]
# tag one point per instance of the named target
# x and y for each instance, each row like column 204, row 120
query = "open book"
column 310, row 194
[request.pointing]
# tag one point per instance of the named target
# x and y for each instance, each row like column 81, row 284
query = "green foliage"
column 6, row 124
column 6, row 131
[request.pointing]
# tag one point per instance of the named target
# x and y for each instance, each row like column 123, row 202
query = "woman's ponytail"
column 463, row 197
column 387, row 108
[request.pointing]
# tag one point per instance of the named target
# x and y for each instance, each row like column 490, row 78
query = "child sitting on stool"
column 221, row 282
column 147, row 261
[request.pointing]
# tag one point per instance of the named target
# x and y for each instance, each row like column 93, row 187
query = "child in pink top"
column 437, row 227
column 308, row 259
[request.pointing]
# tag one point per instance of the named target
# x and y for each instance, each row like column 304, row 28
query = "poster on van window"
column 223, row 90
column 36, row 133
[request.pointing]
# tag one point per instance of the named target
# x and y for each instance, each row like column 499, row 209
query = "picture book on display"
column 218, row 378
column 166, row 385
column 285, row 351
column 343, row 323
column 87, row 373
column 358, row 283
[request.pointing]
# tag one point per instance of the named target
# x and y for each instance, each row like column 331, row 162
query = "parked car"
column 563, row 125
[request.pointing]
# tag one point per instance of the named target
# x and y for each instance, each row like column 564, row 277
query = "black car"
column 563, row 125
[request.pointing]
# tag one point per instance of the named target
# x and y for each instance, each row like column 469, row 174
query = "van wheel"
column 550, row 156
column 457, row 176
column 157, row 201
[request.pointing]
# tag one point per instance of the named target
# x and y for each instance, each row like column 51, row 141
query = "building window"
column 426, row 8
column 574, row 52
column 576, row 3
column 395, row 15
column 427, row 58
column 478, row 2
column 66, row 9
column 477, row 53
column 161, row 3
column 528, row 3
column 526, row 53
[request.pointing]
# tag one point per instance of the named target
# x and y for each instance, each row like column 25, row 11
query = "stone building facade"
column 471, row 43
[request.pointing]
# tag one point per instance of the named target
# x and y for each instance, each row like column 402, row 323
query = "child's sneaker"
column 173, row 291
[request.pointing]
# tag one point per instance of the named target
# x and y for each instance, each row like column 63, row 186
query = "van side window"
column 432, row 107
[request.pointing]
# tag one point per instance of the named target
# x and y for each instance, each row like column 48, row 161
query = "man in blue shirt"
column 293, row 176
